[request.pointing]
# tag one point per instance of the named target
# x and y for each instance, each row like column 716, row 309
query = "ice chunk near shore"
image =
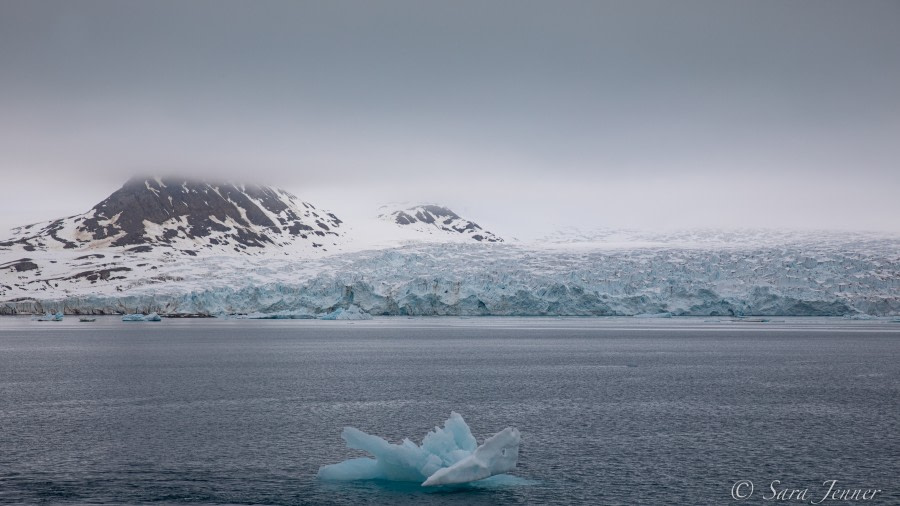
column 137, row 317
column 351, row 313
column 280, row 315
column 654, row 315
column 50, row 317
column 448, row 455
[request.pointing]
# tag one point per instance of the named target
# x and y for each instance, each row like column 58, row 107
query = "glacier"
column 447, row 456
column 813, row 278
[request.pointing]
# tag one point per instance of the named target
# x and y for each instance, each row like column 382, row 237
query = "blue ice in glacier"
column 448, row 455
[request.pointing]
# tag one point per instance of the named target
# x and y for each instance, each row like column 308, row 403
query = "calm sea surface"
column 611, row 411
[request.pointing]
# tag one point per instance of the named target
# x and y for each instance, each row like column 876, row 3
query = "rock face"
column 188, row 216
column 433, row 219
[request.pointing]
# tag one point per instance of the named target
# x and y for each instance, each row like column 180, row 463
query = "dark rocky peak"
column 425, row 214
column 153, row 210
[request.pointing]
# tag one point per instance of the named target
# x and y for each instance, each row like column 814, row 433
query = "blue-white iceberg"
column 447, row 456
column 137, row 317
column 50, row 317
column 351, row 313
column 654, row 315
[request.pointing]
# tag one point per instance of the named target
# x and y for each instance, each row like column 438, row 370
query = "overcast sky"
column 521, row 115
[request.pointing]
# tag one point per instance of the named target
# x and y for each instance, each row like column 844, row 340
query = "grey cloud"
column 339, row 97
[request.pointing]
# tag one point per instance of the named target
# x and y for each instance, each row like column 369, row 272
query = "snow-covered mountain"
column 152, row 226
column 181, row 247
column 187, row 217
column 437, row 221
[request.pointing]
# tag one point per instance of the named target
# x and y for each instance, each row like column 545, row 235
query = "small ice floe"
column 275, row 315
column 654, row 315
column 447, row 456
column 351, row 313
column 860, row 316
column 137, row 317
column 50, row 317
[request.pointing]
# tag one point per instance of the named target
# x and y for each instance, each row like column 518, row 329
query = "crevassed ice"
column 804, row 279
column 447, row 455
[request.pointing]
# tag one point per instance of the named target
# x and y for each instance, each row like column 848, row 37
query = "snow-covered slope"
column 437, row 221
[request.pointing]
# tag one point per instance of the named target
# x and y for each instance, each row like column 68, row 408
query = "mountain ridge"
column 192, row 216
column 186, row 215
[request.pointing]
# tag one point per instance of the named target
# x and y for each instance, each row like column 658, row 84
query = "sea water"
column 611, row 411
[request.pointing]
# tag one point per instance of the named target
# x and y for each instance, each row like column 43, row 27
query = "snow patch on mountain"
column 437, row 221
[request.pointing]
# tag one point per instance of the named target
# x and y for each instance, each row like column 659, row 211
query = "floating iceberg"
column 654, row 315
column 351, row 313
column 280, row 315
column 861, row 316
column 499, row 454
column 50, row 317
column 447, row 456
column 137, row 317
